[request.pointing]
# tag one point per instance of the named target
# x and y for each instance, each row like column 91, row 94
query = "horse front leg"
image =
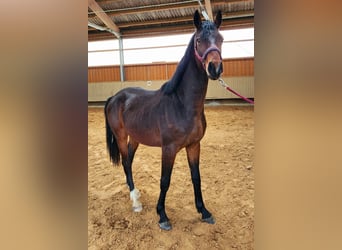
column 168, row 158
column 193, row 152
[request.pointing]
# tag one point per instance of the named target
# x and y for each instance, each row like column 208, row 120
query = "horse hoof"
column 209, row 220
column 165, row 225
column 137, row 209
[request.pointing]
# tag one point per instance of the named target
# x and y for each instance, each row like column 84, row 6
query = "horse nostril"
column 210, row 66
column 220, row 69
column 211, row 69
column 215, row 70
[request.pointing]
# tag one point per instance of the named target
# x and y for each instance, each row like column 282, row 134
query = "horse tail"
column 112, row 145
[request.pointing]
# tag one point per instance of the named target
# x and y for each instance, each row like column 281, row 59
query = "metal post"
column 122, row 70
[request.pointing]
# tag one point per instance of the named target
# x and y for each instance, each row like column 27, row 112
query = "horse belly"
column 140, row 120
column 145, row 136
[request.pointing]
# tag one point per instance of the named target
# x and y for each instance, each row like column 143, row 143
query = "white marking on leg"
column 135, row 195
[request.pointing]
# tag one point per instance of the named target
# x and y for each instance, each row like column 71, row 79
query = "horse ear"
column 197, row 20
column 218, row 19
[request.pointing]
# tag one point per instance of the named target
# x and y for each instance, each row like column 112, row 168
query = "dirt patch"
column 227, row 173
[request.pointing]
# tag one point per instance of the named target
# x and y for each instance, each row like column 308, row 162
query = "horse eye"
column 198, row 40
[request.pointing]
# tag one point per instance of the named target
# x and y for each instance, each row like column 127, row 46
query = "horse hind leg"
column 115, row 122
column 127, row 153
column 134, row 192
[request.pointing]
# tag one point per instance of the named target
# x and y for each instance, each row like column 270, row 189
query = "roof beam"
column 235, row 13
column 104, row 17
column 233, row 24
column 157, row 22
column 231, row 15
column 159, row 7
column 214, row 1
column 187, row 27
column 230, row 21
column 209, row 10
column 148, row 8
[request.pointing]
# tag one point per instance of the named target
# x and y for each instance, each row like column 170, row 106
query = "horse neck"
column 193, row 89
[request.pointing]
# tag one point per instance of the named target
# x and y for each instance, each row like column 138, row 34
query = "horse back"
column 134, row 111
column 154, row 118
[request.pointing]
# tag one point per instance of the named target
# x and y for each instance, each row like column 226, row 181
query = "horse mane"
column 171, row 85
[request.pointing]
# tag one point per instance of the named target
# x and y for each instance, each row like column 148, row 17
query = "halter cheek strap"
column 199, row 58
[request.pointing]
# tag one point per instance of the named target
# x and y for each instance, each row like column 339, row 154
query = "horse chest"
column 197, row 131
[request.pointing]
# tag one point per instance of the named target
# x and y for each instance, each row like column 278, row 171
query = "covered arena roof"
column 136, row 18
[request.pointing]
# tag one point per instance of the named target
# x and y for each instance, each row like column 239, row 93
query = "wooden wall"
column 164, row 71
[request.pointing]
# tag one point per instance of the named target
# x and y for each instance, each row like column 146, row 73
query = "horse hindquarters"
column 112, row 145
column 117, row 144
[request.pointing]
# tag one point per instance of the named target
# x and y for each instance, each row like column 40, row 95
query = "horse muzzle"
column 213, row 61
column 214, row 70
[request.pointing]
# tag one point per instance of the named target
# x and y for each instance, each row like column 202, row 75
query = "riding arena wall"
column 104, row 81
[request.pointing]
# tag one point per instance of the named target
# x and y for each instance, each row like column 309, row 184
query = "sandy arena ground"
column 227, row 173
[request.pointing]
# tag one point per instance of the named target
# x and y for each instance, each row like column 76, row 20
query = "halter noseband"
column 205, row 54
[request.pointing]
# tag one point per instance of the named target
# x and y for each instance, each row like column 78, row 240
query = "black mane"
column 172, row 84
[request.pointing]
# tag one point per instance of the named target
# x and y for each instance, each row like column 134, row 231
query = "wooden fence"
column 163, row 71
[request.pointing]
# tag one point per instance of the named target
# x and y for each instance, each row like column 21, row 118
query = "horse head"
column 208, row 42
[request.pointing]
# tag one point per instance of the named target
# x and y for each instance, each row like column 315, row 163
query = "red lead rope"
column 231, row 90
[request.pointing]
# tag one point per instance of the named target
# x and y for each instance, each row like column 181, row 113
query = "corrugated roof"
column 136, row 18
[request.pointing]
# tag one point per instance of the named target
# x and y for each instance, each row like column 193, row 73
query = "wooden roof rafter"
column 96, row 8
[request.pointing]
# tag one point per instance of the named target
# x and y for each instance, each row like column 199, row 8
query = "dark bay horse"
column 171, row 118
